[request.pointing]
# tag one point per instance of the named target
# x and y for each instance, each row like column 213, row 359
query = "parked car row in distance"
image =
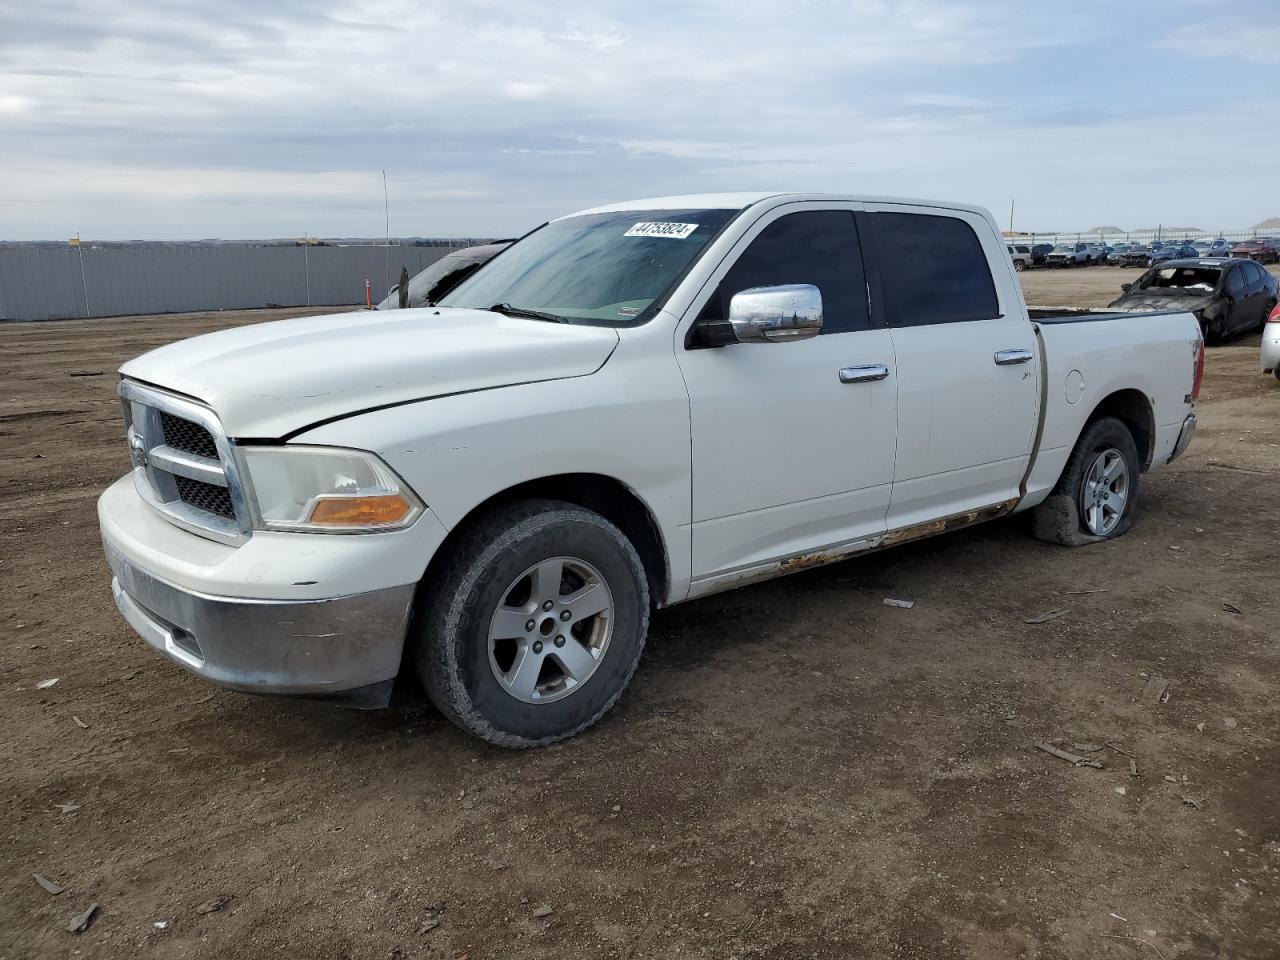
column 1126, row 253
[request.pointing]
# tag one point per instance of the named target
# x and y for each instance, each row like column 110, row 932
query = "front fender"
column 628, row 421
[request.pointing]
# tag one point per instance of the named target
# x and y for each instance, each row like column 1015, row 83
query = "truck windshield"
column 1184, row 280
column 598, row 268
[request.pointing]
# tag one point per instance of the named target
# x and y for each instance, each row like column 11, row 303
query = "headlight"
column 326, row 490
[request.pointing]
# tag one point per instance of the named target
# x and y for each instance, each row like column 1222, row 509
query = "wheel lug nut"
column 560, row 640
column 547, row 605
column 565, row 615
column 529, row 625
column 537, row 646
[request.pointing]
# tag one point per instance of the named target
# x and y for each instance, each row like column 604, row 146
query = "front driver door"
column 789, row 458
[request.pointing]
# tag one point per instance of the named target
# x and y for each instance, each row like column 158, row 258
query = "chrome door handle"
column 864, row 374
column 1006, row 357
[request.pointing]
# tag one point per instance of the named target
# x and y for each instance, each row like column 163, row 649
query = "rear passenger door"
column 1255, row 298
column 968, row 363
column 1236, row 290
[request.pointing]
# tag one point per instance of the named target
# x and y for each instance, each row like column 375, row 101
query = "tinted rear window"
column 932, row 270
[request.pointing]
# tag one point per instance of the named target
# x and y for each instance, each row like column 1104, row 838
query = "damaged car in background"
column 1069, row 255
column 439, row 278
column 1261, row 249
column 1228, row 297
column 1135, row 255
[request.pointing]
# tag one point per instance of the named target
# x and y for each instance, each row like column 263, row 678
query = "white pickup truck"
column 631, row 407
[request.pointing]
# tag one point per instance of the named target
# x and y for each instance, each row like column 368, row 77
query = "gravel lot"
column 797, row 770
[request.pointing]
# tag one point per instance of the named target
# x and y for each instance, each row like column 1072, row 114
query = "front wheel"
column 1096, row 496
column 536, row 625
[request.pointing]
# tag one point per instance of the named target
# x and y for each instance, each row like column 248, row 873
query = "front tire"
column 536, row 625
column 1096, row 496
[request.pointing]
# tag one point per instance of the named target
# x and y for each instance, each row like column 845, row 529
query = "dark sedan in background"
column 1172, row 250
column 1228, row 297
column 442, row 276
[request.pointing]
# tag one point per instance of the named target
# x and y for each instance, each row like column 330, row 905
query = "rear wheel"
column 1096, row 496
column 1104, row 494
column 536, row 626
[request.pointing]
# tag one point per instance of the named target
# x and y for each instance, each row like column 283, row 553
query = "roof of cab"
column 742, row 200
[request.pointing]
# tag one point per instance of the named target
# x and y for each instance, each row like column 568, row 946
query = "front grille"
column 174, row 445
column 187, row 436
column 205, row 496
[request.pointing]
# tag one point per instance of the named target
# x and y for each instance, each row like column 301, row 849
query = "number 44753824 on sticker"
column 675, row 231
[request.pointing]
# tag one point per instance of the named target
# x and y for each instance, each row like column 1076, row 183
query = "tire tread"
column 447, row 620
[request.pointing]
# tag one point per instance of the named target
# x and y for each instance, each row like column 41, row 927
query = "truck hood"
column 272, row 379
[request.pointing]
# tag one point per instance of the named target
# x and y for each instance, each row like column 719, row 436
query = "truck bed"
column 1086, row 314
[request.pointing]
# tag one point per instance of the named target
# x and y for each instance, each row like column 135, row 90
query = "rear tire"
column 1097, row 495
column 521, row 686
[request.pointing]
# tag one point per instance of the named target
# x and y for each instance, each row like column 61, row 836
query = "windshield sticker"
column 628, row 311
column 674, row 231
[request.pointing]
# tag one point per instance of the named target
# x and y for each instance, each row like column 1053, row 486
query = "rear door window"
column 932, row 270
column 816, row 246
column 1235, row 282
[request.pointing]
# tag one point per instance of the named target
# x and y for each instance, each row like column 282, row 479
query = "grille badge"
column 137, row 450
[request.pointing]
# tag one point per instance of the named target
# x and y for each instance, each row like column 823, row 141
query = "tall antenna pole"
column 386, row 208
column 1011, row 202
column 84, row 284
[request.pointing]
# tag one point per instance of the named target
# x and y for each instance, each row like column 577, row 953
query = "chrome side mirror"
column 776, row 314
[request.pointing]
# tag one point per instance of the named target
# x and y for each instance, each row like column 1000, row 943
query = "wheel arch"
column 1133, row 409
column 605, row 495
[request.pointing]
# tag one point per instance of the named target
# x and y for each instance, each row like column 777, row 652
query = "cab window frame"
column 713, row 294
column 885, row 261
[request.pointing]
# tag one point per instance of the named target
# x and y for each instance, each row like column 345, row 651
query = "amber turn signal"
column 382, row 510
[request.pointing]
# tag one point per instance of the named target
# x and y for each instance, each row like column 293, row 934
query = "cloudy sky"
column 270, row 118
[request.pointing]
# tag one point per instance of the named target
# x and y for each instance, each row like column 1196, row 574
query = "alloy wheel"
column 551, row 629
column 1105, row 492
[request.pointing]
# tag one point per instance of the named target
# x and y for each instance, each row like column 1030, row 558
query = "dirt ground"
column 797, row 770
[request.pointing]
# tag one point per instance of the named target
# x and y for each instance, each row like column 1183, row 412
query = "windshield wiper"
column 508, row 310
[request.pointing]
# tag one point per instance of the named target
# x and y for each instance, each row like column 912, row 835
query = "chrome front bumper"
column 1184, row 437
column 345, row 648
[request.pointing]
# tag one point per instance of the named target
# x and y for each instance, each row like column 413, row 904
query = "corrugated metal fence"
column 58, row 281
